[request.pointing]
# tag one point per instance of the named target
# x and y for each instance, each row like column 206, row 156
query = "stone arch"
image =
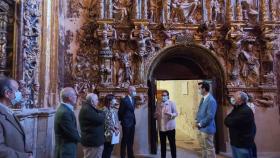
column 197, row 57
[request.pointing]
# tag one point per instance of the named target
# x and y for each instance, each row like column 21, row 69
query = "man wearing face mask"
column 92, row 122
column 65, row 126
column 10, row 128
column 205, row 121
column 241, row 124
column 165, row 115
column 127, row 117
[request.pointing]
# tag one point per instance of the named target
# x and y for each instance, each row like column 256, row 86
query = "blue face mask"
column 17, row 99
column 165, row 98
column 133, row 94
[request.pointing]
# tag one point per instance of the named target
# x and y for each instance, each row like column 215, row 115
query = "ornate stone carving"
column 114, row 56
column 107, row 35
column 31, row 47
column 121, row 10
column 248, row 13
column 249, row 65
column 234, row 36
column 73, row 9
column 183, row 11
column 143, row 38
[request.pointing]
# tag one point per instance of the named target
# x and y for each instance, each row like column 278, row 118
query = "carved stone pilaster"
column 30, row 51
column 106, row 34
column 3, row 42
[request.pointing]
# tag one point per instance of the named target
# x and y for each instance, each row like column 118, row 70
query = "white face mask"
column 114, row 101
column 232, row 101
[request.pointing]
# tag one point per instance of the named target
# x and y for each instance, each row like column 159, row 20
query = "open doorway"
column 186, row 97
column 188, row 65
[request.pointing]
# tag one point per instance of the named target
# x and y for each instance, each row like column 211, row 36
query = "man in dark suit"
column 205, row 119
column 127, row 118
column 92, row 123
column 242, row 127
column 12, row 135
column 66, row 133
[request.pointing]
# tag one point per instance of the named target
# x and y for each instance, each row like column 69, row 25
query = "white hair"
column 90, row 97
column 244, row 97
column 66, row 93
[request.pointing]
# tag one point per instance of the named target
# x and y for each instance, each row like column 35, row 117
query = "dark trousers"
column 127, row 141
column 171, row 138
column 107, row 151
column 254, row 150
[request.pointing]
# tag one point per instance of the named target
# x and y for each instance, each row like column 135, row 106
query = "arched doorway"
column 187, row 62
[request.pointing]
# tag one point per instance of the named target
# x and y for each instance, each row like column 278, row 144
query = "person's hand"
column 198, row 125
column 168, row 113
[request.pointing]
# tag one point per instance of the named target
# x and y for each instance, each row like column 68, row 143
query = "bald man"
column 12, row 134
column 127, row 118
column 92, row 123
column 241, row 124
column 65, row 127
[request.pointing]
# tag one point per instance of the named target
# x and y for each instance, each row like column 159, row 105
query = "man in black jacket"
column 241, row 124
column 66, row 133
column 92, row 123
column 127, row 118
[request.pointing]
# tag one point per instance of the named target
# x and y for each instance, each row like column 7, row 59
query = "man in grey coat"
column 12, row 135
column 205, row 121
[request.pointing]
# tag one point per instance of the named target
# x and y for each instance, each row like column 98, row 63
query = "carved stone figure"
column 152, row 11
column 124, row 75
column 105, row 75
column 215, row 10
column 234, row 35
column 248, row 12
column 266, row 100
column 120, row 9
column 269, row 79
column 183, row 10
column 249, row 65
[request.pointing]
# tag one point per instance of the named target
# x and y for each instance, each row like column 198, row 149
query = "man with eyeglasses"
column 12, row 134
column 165, row 114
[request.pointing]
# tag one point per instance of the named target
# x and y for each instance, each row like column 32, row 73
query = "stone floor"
column 189, row 148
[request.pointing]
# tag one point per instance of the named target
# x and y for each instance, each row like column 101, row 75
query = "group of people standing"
column 98, row 125
column 240, row 121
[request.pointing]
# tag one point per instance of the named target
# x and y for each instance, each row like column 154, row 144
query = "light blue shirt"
column 68, row 106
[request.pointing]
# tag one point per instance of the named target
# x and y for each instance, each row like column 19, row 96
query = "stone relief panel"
column 31, row 40
column 111, row 43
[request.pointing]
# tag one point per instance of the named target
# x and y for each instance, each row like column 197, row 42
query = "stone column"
column 263, row 11
column 229, row 14
column 102, row 8
column 238, row 11
column 110, row 9
column 145, row 10
column 165, row 11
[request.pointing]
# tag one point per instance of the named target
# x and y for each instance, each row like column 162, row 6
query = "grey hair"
column 90, row 97
column 66, row 93
column 244, row 97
